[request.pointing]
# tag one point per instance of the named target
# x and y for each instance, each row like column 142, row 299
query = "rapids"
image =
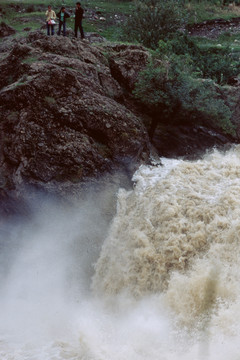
column 162, row 282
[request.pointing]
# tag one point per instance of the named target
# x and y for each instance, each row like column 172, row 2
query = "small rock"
column 6, row 30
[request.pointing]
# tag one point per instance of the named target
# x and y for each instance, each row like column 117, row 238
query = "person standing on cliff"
column 51, row 17
column 62, row 15
column 78, row 20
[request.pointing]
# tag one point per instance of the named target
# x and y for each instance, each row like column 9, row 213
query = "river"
column 161, row 283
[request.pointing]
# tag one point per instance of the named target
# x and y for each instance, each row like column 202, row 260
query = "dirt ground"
column 213, row 28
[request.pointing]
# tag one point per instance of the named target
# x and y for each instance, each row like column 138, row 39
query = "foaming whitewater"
column 164, row 286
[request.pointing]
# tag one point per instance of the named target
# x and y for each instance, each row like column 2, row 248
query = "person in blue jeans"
column 50, row 20
column 62, row 16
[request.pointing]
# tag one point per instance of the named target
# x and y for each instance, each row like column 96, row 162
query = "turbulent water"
column 164, row 286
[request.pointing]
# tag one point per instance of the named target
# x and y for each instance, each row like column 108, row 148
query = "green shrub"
column 179, row 45
column 216, row 63
column 153, row 20
column 169, row 89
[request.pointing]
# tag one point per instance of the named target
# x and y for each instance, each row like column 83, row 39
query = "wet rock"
column 188, row 142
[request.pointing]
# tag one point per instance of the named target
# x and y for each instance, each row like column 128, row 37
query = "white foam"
column 166, row 284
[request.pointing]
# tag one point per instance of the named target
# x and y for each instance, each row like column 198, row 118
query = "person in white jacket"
column 51, row 17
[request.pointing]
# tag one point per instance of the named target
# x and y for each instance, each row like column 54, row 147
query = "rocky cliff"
column 63, row 113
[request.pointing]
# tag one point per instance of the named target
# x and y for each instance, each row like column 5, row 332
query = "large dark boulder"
column 63, row 121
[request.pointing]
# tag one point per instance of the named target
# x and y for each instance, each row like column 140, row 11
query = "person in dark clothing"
column 78, row 20
column 62, row 16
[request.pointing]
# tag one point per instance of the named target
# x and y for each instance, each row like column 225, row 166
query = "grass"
column 225, row 40
column 29, row 60
column 31, row 13
column 199, row 11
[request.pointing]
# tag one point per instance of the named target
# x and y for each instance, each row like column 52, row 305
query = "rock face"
column 191, row 142
column 126, row 64
column 63, row 114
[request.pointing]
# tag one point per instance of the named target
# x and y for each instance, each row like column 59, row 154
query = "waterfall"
column 162, row 282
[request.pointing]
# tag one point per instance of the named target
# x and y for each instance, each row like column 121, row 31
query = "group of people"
column 62, row 15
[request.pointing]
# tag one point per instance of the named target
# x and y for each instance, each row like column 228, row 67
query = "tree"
column 154, row 20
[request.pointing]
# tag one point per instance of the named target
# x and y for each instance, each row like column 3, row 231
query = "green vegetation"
column 103, row 17
column 153, row 20
column 29, row 60
column 218, row 62
column 112, row 14
column 170, row 88
column 173, row 84
column 202, row 10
